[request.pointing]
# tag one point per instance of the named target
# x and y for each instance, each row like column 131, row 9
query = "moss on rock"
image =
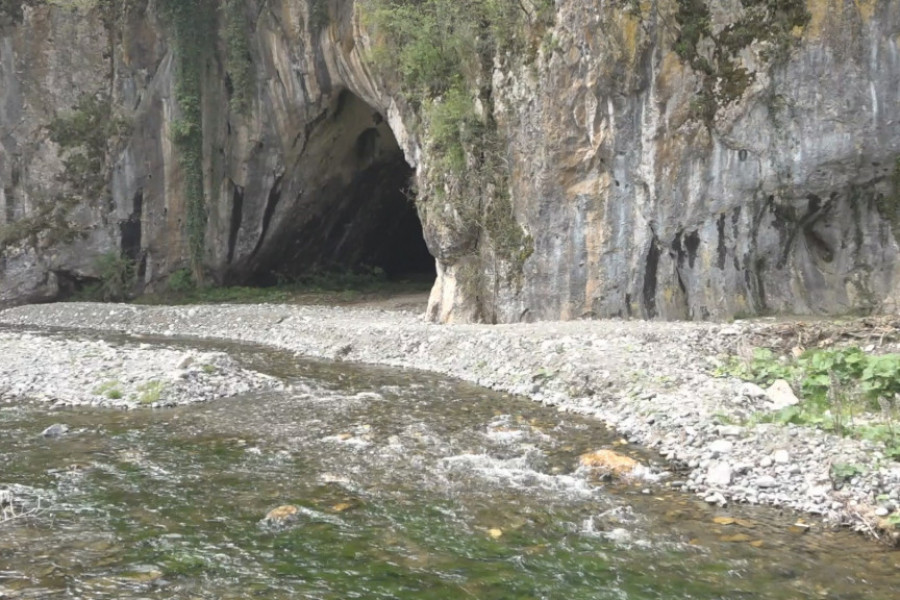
column 770, row 23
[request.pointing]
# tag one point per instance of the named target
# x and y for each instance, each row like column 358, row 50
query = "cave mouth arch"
column 356, row 213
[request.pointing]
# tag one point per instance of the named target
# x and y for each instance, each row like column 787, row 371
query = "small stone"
column 766, row 462
column 619, row 534
column 282, row 515
column 721, row 446
column 719, row 474
column 752, row 391
column 741, row 468
column 766, row 481
column 55, row 430
column 781, row 395
column 782, row 457
column 730, row 430
column 881, row 512
column 716, row 498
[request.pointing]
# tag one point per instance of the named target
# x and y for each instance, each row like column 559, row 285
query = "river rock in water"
column 55, row 430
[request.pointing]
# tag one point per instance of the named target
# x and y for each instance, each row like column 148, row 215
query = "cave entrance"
column 357, row 212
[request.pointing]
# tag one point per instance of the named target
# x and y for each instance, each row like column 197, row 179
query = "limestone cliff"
column 656, row 159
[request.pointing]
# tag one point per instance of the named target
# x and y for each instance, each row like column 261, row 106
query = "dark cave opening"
column 357, row 212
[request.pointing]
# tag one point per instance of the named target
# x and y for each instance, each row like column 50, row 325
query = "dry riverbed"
column 654, row 382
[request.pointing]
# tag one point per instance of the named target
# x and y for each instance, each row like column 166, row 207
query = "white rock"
column 718, row 474
column 781, row 395
column 782, row 457
column 619, row 535
column 751, row 390
column 721, row 446
column 766, row 481
column 730, row 430
column 716, row 498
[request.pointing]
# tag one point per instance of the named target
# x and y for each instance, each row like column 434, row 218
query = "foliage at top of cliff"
column 12, row 11
column 443, row 53
column 433, row 44
column 715, row 54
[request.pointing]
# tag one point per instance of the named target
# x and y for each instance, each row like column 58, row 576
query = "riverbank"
column 65, row 372
column 651, row 381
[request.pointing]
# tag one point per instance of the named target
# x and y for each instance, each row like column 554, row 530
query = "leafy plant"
column 714, row 53
column 443, row 53
column 881, row 378
column 841, row 473
column 832, row 385
column 764, row 368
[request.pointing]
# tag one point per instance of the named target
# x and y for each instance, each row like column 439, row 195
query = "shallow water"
column 409, row 486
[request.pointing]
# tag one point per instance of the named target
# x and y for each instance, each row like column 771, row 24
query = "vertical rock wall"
column 658, row 165
column 782, row 200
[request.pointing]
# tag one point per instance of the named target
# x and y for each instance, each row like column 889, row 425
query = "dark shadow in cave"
column 357, row 212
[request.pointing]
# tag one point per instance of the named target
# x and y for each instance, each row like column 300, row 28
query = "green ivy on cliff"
column 238, row 61
column 318, row 15
column 85, row 134
column 194, row 26
column 443, row 53
column 889, row 204
column 772, row 23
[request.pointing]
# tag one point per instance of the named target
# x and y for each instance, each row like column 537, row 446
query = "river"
column 405, row 485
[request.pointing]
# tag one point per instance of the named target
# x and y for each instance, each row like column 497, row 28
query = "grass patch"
column 316, row 288
column 150, row 392
column 109, row 389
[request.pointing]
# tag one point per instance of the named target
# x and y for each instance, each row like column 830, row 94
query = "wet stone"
column 55, row 430
column 281, row 516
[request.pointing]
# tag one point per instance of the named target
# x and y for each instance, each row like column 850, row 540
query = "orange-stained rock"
column 610, row 461
column 282, row 514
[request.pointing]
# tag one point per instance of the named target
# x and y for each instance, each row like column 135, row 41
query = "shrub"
column 116, row 275
column 180, row 282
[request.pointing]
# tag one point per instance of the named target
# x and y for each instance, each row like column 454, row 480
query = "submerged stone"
column 282, row 515
column 612, row 463
column 55, row 430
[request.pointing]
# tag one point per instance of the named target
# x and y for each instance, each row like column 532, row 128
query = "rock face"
column 666, row 159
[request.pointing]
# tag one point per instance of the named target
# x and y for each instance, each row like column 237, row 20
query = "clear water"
column 409, row 486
